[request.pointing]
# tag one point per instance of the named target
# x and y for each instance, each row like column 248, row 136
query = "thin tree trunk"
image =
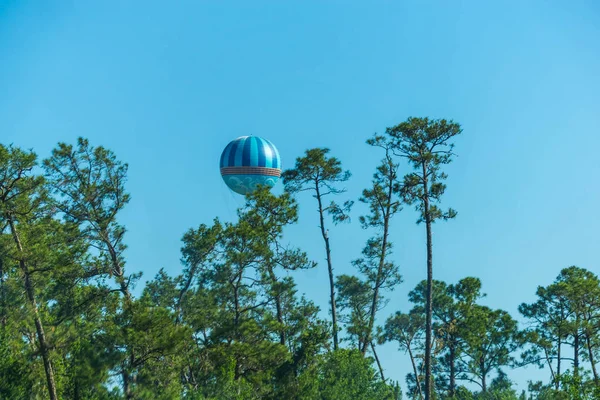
column 378, row 279
column 2, row 297
column 377, row 360
column 429, row 310
column 236, row 322
column 557, row 383
column 452, row 370
column 126, row 382
column 128, row 379
column 549, row 362
column 592, row 361
column 118, row 270
column 188, row 284
column 417, row 380
column 329, row 269
column 278, row 307
column 576, row 349
column 39, row 327
column 483, row 380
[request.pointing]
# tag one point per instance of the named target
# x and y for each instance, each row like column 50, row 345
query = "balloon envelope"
column 250, row 161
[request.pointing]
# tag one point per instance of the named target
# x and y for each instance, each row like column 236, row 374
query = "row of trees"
column 232, row 325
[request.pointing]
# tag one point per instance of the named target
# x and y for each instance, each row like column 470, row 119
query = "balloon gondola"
column 248, row 162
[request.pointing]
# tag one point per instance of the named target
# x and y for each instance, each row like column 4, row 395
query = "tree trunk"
column 576, row 349
column 429, row 310
column 2, row 297
column 483, row 381
column 417, row 380
column 188, row 284
column 452, row 370
column 329, row 269
column 592, row 361
column 39, row 327
column 557, row 383
column 119, row 273
column 237, row 316
column 549, row 362
column 126, row 382
column 278, row 307
column 378, row 363
column 117, row 269
column 378, row 279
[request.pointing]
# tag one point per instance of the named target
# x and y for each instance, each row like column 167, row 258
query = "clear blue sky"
column 167, row 85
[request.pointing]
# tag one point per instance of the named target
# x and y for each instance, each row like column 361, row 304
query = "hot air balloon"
column 250, row 161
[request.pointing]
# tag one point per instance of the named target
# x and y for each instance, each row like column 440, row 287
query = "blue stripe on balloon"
column 272, row 162
column 239, row 151
column 269, row 153
column 231, row 156
column 246, row 154
column 253, row 151
column 225, row 155
column 276, row 158
column 262, row 162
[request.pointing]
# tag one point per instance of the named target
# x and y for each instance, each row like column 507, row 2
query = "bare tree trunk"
column 483, row 380
column 592, row 361
column 557, row 382
column 452, row 370
column 378, row 279
column 278, row 307
column 576, row 348
column 2, row 297
column 329, row 269
column 39, row 327
column 549, row 362
column 377, row 360
column 429, row 307
column 417, row 380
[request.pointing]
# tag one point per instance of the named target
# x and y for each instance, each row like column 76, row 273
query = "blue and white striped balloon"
column 249, row 161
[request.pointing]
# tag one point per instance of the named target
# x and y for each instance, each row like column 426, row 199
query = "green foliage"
column 232, row 324
column 354, row 298
column 566, row 314
column 425, row 143
column 347, row 375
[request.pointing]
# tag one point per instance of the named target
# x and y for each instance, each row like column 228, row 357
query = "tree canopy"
column 232, row 323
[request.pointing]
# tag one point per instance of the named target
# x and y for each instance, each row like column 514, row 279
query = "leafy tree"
column 581, row 289
column 490, row 340
column 21, row 212
column 89, row 186
column 548, row 331
column 232, row 324
column 426, row 145
column 354, row 300
column 452, row 311
column 573, row 387
column 406, row 329
column 320, row 174
column 16, row 378
column 347, row 375
column 251, row 337
column 565, row 314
